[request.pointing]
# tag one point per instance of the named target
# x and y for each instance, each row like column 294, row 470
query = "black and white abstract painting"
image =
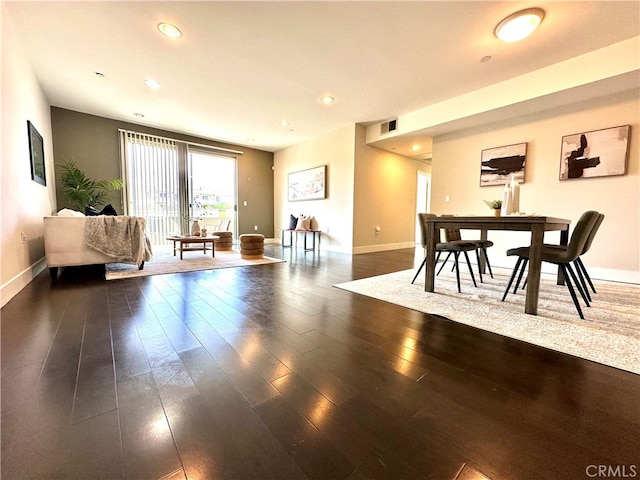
column 499, row 164
column 599, row 153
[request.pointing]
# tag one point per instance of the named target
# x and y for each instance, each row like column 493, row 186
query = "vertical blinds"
column 154, row 175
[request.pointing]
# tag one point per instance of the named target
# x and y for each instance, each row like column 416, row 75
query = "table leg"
column 181, row 247
column 174, row 248
column 564, row 240
column 483, row 261
column 430, row 259
column 213, row 248
column 535, row 267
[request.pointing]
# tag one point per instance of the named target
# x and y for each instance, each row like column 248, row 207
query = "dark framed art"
column 308, row 184
column 599, row 153
column 36, row 155
column 499, row 164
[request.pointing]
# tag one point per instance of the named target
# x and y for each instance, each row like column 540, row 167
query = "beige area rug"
column 610, row 333
column 164, row 263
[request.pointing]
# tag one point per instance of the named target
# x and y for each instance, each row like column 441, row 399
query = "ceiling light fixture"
column 284, row 123
column 519, row 25
column 415, row 148
column 328, row 99
column 169, row 30
column 151, row 83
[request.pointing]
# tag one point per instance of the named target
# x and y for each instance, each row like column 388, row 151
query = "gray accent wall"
column 92, row 143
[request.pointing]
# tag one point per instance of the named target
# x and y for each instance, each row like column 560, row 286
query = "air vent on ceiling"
column 389, row 126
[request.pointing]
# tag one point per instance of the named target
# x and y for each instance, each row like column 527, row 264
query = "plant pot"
column 496, row 212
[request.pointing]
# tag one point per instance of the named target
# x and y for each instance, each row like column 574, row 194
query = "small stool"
column 251, row 245
column 225, row 243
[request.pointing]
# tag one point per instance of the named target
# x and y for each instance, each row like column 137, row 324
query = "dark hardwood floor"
column 269, row 372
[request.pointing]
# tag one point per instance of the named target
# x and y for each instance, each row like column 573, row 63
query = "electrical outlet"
column 447, row 198
column 255, row 227
column 23, row 237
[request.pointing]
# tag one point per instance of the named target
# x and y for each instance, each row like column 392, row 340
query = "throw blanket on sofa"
column 122, row 238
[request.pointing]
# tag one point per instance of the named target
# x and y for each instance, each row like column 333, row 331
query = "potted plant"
column 496, row 205
column 82, row 191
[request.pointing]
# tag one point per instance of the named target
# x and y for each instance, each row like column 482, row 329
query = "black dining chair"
column 453, row 234
column 581, row 270
column 563, row 257
column 451, row 247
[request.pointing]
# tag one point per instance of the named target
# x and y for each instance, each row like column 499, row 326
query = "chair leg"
column 513, row 275
column 578, row 285
column 444, row 263
column 479, row 266
column 583, row 283
column 581, row 266
column 571, row 290
column 522, row 269
column 486, row 259
column 456, row 254
column 470, row 269
column 419, row 269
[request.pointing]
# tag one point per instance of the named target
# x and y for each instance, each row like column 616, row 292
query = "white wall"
column 385, row 191
column 615, row 253
column 333, row 214
column 24, row 201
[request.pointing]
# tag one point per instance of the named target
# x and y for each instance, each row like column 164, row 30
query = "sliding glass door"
column 212, row 190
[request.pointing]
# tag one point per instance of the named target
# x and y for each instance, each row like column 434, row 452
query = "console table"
column 306, row 233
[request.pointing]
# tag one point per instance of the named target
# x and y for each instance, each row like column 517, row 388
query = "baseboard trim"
column 12, row 287
column 382, row 248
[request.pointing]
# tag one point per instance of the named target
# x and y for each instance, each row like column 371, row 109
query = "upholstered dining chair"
column 453, row 234
column 581, row 270
column 451, row 247
column 563, row 257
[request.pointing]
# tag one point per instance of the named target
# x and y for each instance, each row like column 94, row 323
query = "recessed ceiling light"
column 284, row 123
column 519, row 25
column 169, row 30
column 415, row 148
column 328, row 99
column 139, row 115
column 151, row 83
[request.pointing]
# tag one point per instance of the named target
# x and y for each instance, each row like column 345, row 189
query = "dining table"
column 535, row 224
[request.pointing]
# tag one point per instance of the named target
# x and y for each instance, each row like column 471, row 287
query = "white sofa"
column 65, row 245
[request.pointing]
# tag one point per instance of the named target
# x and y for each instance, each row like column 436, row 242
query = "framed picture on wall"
column 599, row 153
column 499, row 164
column 308, row 184
column 36, row 155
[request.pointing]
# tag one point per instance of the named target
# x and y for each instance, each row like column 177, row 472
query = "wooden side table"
column 191, row 244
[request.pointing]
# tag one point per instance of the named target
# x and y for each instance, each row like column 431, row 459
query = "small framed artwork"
column 499, row 164
column 36, row 155
column 308, row 184
column 599, row 153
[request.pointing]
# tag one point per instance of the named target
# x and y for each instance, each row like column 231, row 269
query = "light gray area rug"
column 164, row 262
column 610, row 333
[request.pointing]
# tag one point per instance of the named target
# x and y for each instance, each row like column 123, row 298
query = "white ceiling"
column 242, row 67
